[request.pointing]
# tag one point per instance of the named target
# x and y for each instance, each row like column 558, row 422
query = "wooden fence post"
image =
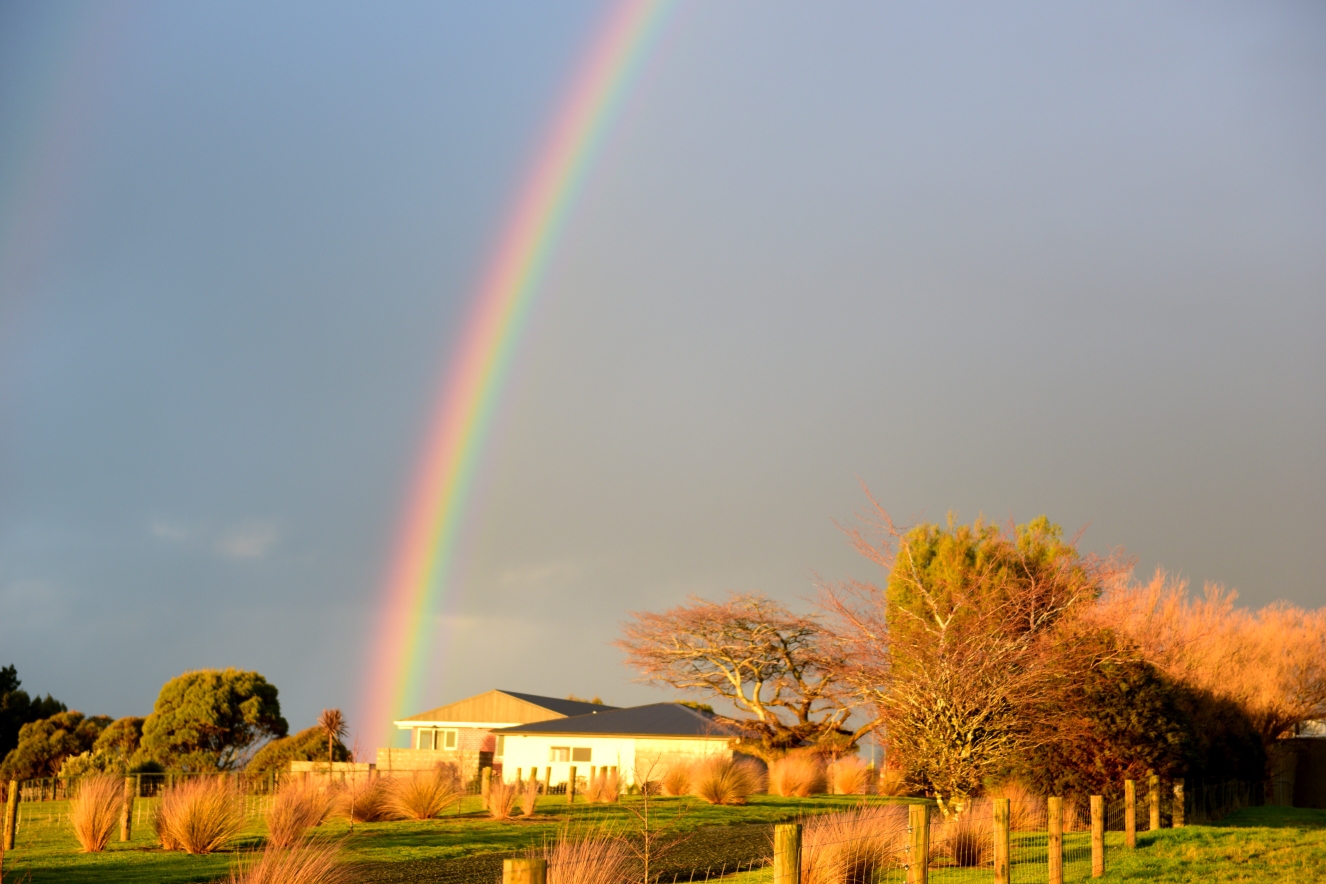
column 1153, row 802
column 127, row 810
column 571, row 786
column 1176, row 812
column 1130, row 812
column 918, row 826
column 1002, row 812
column 787, row 854
column 547, row 778
column 1055, row 822
column 1097, row 836
column 524, row 871
column 486, row 785
column 11, row 815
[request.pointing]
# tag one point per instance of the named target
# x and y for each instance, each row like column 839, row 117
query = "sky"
column 999, row 259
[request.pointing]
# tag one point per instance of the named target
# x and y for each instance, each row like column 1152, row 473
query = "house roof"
column 654, row 720
column 503, row 707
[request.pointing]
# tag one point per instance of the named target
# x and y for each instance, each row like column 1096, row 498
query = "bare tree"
column 969, row 647
column 775, row 666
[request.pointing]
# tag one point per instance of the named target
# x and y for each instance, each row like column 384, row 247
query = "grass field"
column 1254, row 844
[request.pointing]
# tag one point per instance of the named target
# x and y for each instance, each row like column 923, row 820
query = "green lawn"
column 1254, row 844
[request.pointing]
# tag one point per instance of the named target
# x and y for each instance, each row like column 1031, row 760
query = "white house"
column 640, row 743
column 461, row 732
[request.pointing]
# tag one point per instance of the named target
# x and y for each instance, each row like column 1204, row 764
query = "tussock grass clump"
column 969, row 839
column 605, row 788
column 200, row 815
column 891, row 782
column 855, row 846
column 502, row 799
column 1026, row 809
column 848, row 776
column 95, row 810
column 797, row 775
column 594, row 859
column 529, row 797
column 363, row 802
column 307, row 864
column 297, row 808
column 725, row 780
column 423, row 795
column 677, row 781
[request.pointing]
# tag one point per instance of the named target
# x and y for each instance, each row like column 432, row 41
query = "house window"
column 448, row 739
column 559, row 753
column 580, row 754
column 436, row 738
column 500, row 748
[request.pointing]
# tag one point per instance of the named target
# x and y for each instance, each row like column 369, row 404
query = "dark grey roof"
column 654, row 720
column 562, row 707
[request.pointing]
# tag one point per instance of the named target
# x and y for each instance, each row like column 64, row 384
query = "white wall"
column 647, row 756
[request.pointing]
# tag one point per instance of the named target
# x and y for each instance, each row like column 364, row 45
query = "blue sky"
column 985, row 258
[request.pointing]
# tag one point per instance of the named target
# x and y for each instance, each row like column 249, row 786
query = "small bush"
column 848, row 776
column 424, row 794
column 605, row 788
column 596, row 859
column 201, row 815
column 363, row 802
column 529, row 797
column 677, row 781
column 725, row 780
column 1027, row 810
column 502, row 799
column 855, row 846
column 797, row 775
column 95, row 810
column 297, row 808
column 969, row 839
column 891, row 782
column 308, row 864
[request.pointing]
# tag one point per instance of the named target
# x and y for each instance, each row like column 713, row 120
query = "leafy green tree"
column 209, row 719
column 17, row 708
column 309, row 744
column 44, row 745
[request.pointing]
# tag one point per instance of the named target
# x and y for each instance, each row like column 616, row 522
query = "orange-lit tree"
column 777, row 668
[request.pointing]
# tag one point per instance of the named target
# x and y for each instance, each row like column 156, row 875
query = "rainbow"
column 457, row 436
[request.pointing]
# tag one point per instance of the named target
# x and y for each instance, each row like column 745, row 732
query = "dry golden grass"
column 95, row 811
column 969, row 839
column 529, row 797
column 594, row 859
column 677, row 780
column 200, row 815
column 1027, row 810
column 604, row 788
column 296, row 808
column 797, row 775
column 855, row 846
column 502, row 799
column 848, row 776
column 307, row 864
column 891, row 782
column 725, row 780
column 423, row 795
column 362, row 802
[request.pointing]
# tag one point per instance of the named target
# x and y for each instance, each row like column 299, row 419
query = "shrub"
column 199, row 816
column 595, row 859
column 797, row 775
column 725, row 780
column 969, row 840
column 501, row 799
column 95, row 810
column 677, row 781
column 297, row 808
column 307, row 864
column 849, row 776
column 362, row 802
column 604, row 788
column 424, row 794
column 529, row 797
column 1027, row 810
column 855, row 846
column 891, row 782
column 309, row 744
